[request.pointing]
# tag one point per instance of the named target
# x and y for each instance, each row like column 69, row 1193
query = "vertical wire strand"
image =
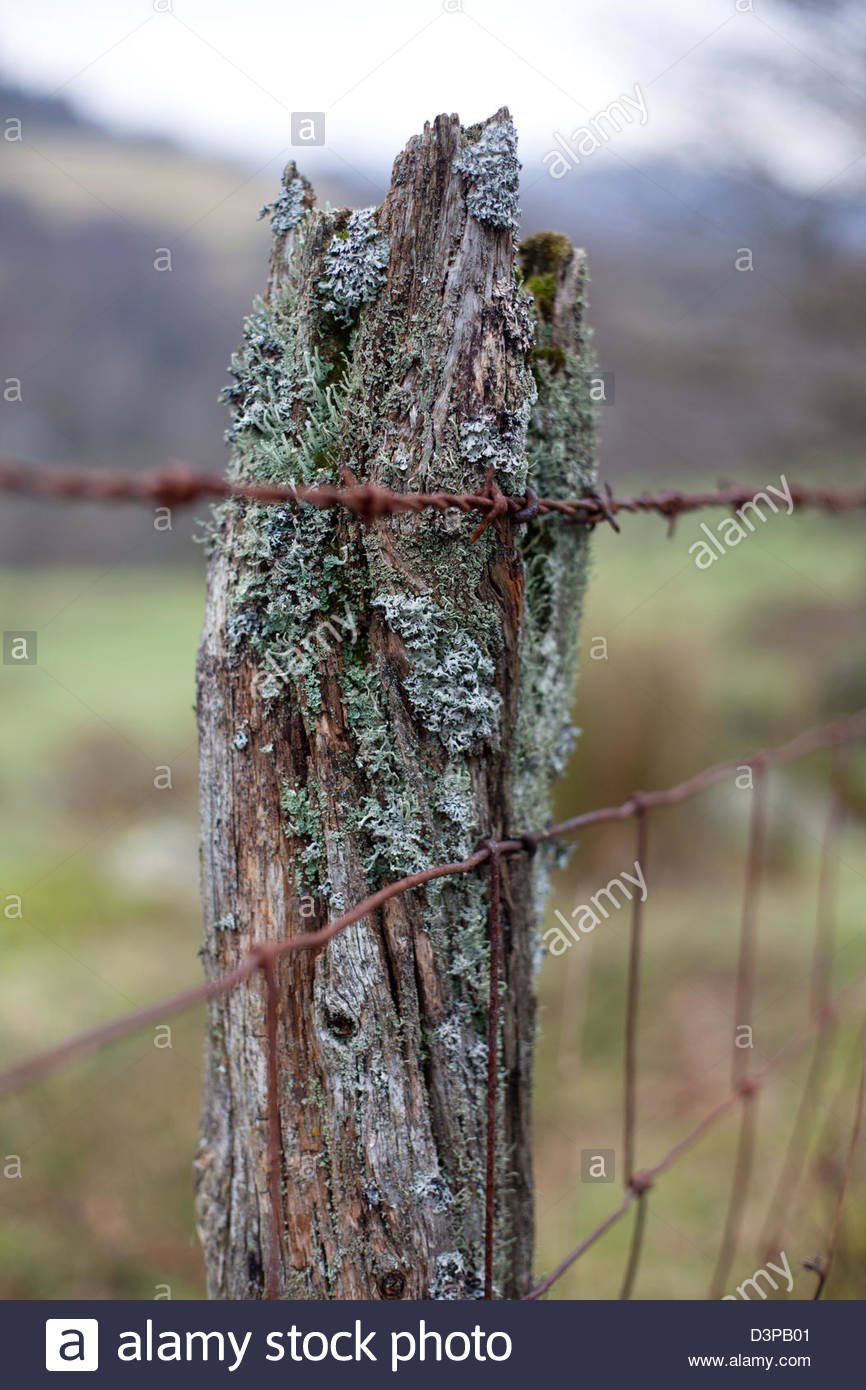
column 828, row 883
column 823, row 953
column 743, row 1017
column 275, row 1146
column 823, row 1266
column 495, row 932
column 631, row 1059
column 636, row 1247
column 825, row 1145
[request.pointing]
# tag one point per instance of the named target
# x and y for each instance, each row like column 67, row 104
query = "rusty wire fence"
column 177, row 485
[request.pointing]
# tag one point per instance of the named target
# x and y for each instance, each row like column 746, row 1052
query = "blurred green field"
column 698, row 666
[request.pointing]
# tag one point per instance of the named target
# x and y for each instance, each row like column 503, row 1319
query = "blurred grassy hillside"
column 698, row 666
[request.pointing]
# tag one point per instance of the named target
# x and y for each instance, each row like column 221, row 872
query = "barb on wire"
column 179, row 485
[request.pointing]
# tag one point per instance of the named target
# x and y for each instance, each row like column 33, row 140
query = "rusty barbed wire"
column 179, row 485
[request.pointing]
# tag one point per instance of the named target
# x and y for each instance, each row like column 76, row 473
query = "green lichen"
column 451, row 678
column 543, row 291
column 294, row 586
column 541, row 257
column 302, row 821
column 301, row 817
column 544, row 253
column 389, row 817
column 354, row 266
column 453, row 799
column 402, row 836
column 553, row 356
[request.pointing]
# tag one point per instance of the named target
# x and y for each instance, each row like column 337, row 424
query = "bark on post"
column 373, row 701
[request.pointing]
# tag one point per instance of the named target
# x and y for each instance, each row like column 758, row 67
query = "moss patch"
column 544, row 253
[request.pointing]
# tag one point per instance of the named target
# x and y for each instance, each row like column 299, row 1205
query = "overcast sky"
column 225, row 74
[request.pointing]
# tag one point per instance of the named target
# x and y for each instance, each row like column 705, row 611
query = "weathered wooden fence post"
column 374, row 700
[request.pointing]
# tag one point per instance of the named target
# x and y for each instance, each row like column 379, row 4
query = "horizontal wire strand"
column 179, row 485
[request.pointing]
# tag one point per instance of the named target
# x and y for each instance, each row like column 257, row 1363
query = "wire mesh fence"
column 178, row 486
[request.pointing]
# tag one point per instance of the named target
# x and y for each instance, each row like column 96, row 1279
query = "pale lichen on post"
column 451, row 680
column 286, row 211
column 399, row 342
column 354, row 266
column 492, row 171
